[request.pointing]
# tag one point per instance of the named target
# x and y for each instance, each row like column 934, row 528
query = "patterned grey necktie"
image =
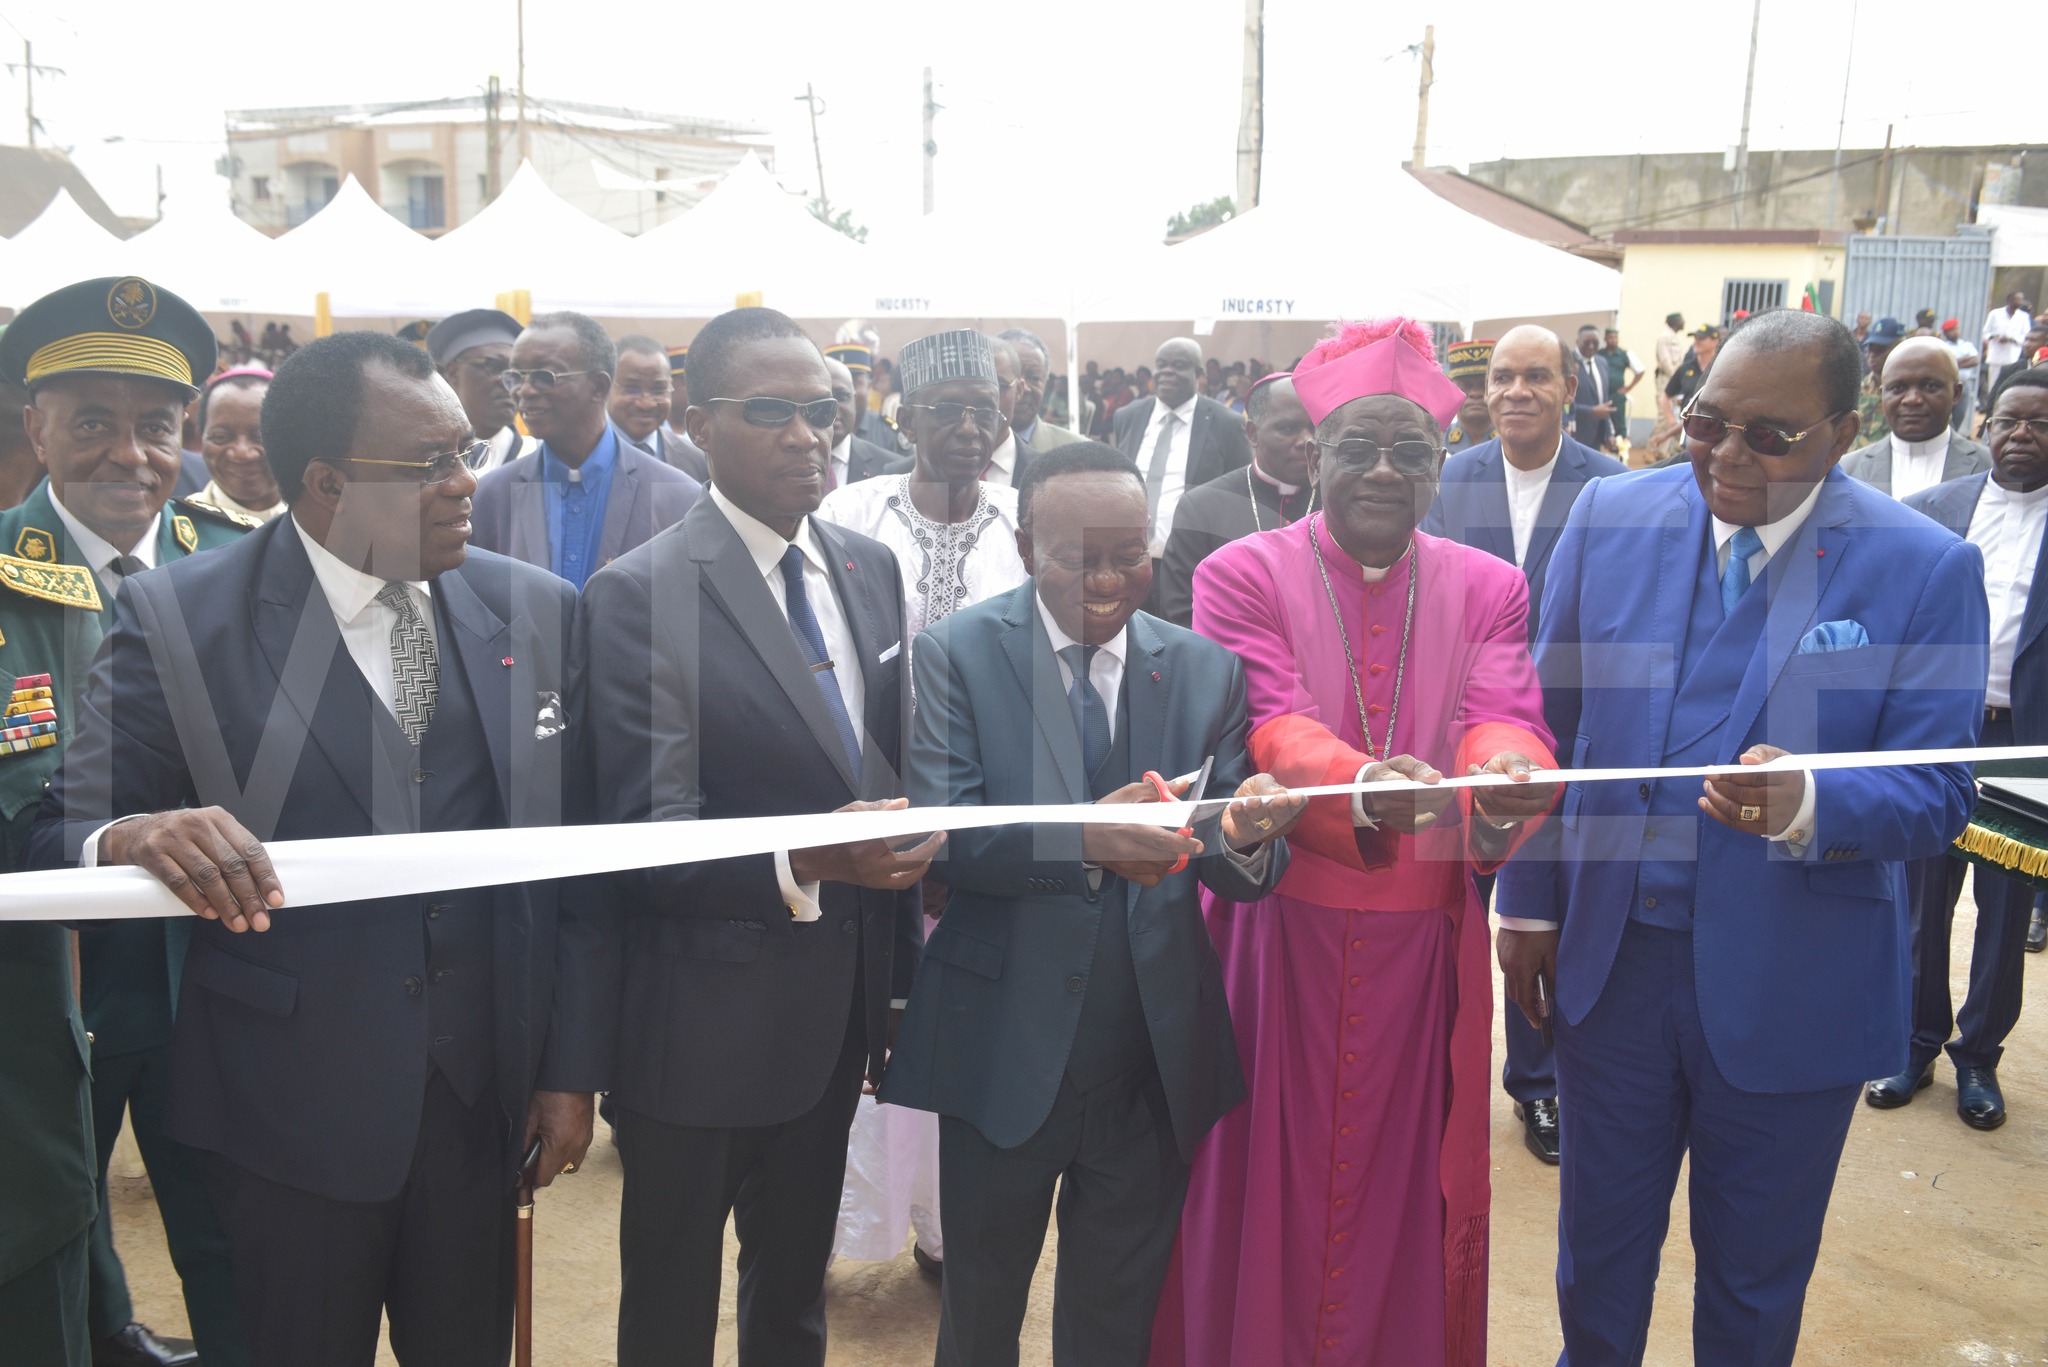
column 415, row 667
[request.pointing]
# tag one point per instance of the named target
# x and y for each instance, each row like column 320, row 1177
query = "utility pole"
column 1756, row 18
column 29, row 71
column 1842, row 119
column 1428, row 50
column 1251, row 116
column 931, row 148
column 525, row 148
column 1884, row 186
column 816, row 107
column 493, row 133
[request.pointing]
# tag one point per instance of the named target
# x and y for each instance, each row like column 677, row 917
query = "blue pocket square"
column 1844, row 635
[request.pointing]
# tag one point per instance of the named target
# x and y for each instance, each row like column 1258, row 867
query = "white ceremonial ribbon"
column 364, row 868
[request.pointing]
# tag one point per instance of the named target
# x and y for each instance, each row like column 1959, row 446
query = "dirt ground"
column 1936, row 1251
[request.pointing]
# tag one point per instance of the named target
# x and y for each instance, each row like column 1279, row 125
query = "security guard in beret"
column 109, row 366
column 1467, row 363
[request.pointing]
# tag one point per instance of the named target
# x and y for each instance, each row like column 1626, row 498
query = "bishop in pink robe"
column 1339, row 1216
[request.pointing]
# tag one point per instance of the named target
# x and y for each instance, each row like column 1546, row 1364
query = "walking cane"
column 522, row 1258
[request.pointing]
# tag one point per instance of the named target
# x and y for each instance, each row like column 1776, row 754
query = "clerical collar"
column 1286, row 490
column 1934, row 446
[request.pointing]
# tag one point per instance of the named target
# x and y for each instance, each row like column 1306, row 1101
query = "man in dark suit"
column 643, row 394
column 682, row 452
column 1034, row 367
column 1272, row 491
column 748, row 662
column 589, row 494
column 1509, row 496
column 854, row 457
column 1069, row 1024
column 1917, row 392
column 472, row 350
column 1179, row 439
column 1734, row 960
column 1592, row 405
column 358, row 1077
column 2000, row 511
column 869, row 425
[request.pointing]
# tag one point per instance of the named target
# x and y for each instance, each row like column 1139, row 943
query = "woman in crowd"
column 231, row 439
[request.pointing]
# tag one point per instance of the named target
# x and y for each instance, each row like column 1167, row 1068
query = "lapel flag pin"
column 1155, row 676
column 849, row 564
column 507, row 662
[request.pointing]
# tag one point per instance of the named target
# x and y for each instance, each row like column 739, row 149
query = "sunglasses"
column 435, row 469
column 541, row 380
column 1760, row 438
column 1357, row 456
column 951, row 414
column 767, row 412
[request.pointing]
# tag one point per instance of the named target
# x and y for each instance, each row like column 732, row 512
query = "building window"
column 1750, row 296
column 259, row 187
column 424, row 202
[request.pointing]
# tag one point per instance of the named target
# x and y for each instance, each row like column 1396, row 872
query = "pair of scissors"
column 1197, row 788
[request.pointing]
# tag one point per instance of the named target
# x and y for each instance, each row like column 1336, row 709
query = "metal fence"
column 1896, row 277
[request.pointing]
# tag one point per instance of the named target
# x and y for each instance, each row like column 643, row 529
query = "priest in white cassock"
column 955, row 535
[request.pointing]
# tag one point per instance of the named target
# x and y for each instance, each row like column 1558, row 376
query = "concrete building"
column 436, row 163
column 1709, row 273
column 1911, row 190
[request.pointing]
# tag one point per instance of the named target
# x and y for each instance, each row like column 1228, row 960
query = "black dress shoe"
column 135, row 1346
column 1890, row 1093
column 1978, row 1100
column 1539, row 1127
column 935, row 1268
column 2037, row 931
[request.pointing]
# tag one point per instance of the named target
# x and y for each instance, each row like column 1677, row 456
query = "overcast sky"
column 1133, row 106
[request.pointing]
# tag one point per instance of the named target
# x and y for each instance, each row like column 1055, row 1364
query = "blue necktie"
column 1735, row 579
column 1091, row 718
column 805, row 624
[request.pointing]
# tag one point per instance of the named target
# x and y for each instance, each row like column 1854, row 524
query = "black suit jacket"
column 299, row 1052
column 865, row 460
column 992, row 1022
column 727, row 1011
column 1588, row 428
column 1209, row 518
column 1216, row 440
column 683, row 453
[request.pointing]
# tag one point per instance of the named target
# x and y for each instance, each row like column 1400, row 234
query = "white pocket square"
column 549, row 721
column 891, row 653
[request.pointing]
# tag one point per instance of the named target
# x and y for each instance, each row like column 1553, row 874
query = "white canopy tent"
column 213, row 260
column 367, row 263
column 530, row 238
column 60, row 245
column 748, row 236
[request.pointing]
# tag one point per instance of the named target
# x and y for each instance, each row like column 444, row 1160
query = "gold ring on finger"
column 1751, row 813
column 1264, row 823
column 568, row 1168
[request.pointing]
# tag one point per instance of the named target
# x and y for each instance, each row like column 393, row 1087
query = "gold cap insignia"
column 131, row 303
column 187, row 534
column 35, row 544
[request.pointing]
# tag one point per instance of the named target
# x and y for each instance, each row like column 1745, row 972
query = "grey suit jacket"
column 1873, row 463
column 992, row 1018
column 684, row 454
column 509, row 513
column 1046, row 436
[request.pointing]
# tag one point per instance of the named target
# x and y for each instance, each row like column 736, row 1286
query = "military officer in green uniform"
column 1877, row 349
column 1467, row 363
column 109, row 366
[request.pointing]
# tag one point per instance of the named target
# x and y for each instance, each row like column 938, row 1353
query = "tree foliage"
column 1218, row 210
column 839, row 222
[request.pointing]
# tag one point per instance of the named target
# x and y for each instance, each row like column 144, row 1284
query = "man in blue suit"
column 2002, row 512
column 1734, row 960
column 1508, row 496
column 1069, row 1023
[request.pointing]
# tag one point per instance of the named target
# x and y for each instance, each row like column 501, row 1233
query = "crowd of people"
column 508, row 574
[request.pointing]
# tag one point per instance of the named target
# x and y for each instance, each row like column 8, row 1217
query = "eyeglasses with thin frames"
column 435, row 469
column 2037, row 428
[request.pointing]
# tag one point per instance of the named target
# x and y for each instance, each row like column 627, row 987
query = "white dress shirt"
column 1526, row 489
column 506, row 446
column 841, row 455
column 766, row 546
column 365, row 623
column 100, row 553
column 2003, row 334
column 2006, row 526
column 1002, row 465
column 1175, row 482
column 1916, row 465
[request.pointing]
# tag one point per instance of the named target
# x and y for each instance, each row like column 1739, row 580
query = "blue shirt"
column 575, row 502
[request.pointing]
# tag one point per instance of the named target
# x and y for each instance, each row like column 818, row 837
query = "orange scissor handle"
column 1165, row 791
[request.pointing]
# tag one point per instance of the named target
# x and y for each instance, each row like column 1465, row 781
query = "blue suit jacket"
column 1802, row 959
column 1472, row 506
column 992, row 1017
column 1952, row 504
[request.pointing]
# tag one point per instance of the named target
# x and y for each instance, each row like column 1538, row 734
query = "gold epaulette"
column 208, row 510
column 71, row 586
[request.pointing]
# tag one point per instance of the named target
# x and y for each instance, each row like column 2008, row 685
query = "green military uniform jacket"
column 1870, row 408
column 53, row 615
